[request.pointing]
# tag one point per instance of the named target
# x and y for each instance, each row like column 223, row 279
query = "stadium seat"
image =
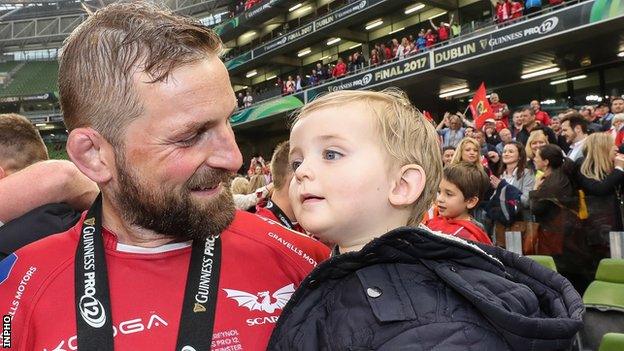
column 612, row 342
column 546, row 261
column 611, row 270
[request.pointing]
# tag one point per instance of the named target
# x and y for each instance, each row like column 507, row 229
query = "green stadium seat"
column 604, row 296
column 611, row 270
column 612, row 342
column 546, row 261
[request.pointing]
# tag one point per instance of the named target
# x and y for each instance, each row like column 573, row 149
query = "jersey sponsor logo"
column 206, row 274
column 6, row 266
column 21, row 288
column 262, row 301
column 131, row 326
column 252, row 322
column 90, row 307
column 292, row 248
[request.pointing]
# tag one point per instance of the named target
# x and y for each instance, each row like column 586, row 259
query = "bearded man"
column 161, row 260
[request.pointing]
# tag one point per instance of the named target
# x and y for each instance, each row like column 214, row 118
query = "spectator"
column 505, row 137
column 617, row 132
column 502, row 10
column 468, row 150
column 298, row 82
column 588, row 113
column 574, row 128
column 403, row 49
column 340, row 69
column 531, row 6
column 516, row 9
column 541, row 116
column 501, row 111
column 455, row 29
column 248, row 99
column 536, row 140
column 277, row 206
column 413, row 49
column 322, row 71
column 290, row 85
column 244, row 197
column 469, row 132
column 443, row 29
column 552, row 200
column 430, row 38
column 313, row 78
column 529, row 124
column 462, row 187
column 359, row 290
column 491, row 135
column 600, row 177
column 374, row 58
column 512, row 171
column 617, row 106
column 421, row 40
column 358, row 61
column 239, row 99
column 350, row 64
column 555, row 125
column 386, row 53
column 447, row 155
column 518, row 124
column 395, row 47
column 451, row 130
column 165, row 208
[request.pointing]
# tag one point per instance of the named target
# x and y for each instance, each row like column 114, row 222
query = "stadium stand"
column 33, row 78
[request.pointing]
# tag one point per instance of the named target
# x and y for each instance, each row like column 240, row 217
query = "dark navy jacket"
column 412, row 289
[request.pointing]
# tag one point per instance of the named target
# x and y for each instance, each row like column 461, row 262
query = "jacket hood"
column 532, row 307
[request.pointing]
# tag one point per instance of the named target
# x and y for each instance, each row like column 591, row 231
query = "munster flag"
column 480, row 107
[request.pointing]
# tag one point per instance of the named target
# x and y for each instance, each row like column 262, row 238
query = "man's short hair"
column 575, row 119
column 101, row 56
column 468, row 178
column 280, row 167
column 20, row 143
column 617, row 98
column 529, row 109
column 404, row 132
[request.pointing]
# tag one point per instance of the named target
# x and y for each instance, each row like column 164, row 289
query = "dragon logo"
column 262, row 300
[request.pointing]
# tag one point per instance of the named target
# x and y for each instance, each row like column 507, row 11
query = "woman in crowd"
column 403, row 49
column 451, row 130
column 468, row 150
column 512, row 172
column 537, row 139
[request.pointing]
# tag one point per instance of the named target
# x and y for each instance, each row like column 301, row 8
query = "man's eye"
column 331, row 155
column 190, row 141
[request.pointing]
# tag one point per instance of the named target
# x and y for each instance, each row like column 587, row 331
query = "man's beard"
column 175, row 213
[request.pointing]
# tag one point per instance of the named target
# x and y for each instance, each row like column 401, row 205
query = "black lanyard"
column 271, row 206
column 92, row 296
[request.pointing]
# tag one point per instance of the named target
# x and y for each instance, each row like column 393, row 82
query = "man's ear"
column 408, row 186
column 472, row 202
column 92, row 154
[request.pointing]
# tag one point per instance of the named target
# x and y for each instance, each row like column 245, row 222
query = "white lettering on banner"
column 131, row 326
column 398, row 70
column 455, row 53
column 340, row 14
column 293, row 248
column 546, row 26
column 20, row 291
column 362, row 82
column 272, row 46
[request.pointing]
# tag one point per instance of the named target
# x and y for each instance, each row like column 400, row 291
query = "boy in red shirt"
column 516, row 9
column 461, row 188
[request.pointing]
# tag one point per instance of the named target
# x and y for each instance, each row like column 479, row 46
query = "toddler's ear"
column 407, row 186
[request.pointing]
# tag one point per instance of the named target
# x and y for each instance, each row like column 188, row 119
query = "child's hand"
column 493, row 156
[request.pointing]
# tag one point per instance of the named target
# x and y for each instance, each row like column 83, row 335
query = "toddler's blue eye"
column 331, row 155
column 295, row 165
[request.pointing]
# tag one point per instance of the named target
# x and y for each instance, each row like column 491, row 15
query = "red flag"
column 480, row 107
